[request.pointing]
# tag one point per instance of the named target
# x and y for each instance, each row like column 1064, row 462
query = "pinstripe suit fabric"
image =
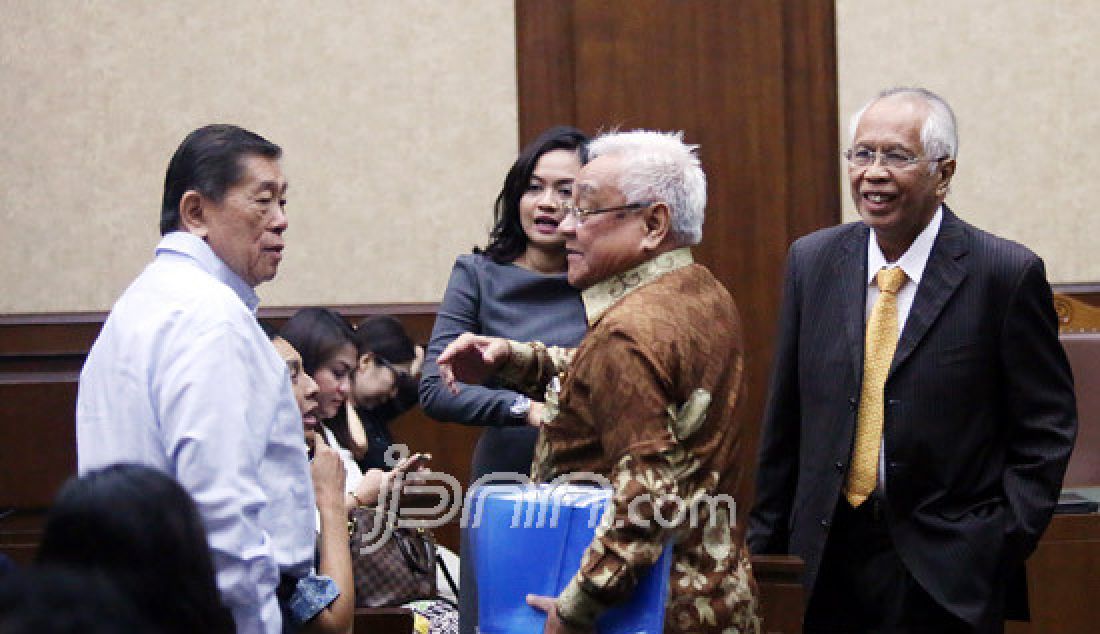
column 980, row 414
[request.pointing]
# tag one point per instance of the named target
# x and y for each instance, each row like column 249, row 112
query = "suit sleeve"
column 777, row 472
column 1041, row 408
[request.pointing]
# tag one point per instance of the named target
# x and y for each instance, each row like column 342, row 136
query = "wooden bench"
column 383, row 621
column 1079, row 332
column 778, row 578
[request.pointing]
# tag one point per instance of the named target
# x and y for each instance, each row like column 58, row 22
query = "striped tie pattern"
column 878, row 351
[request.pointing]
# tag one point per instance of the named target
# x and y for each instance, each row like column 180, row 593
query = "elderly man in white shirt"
column 182, row 378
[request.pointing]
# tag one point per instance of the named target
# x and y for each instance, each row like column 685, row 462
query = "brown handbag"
column 390, row 568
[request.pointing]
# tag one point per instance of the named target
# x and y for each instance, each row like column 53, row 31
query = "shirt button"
column 825, row 523
column 839, row 466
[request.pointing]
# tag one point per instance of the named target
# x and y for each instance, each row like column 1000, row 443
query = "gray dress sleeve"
column 459, row 313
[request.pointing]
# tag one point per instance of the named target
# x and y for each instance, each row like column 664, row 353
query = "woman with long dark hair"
column 138, row 528
column 329, row 355
column 515, row 288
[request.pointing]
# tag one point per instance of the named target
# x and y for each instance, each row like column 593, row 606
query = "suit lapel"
column 942, row 276
column 851, row 271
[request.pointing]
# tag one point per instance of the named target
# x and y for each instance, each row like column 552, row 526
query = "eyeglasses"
column 399, row 375
column 866, row 157
column 568, row 208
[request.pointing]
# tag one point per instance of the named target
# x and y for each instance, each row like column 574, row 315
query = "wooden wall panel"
column 752, row 82
column 40, row 361
column 38, row 439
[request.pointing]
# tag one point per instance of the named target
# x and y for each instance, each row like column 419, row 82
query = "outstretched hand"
column 471, row 359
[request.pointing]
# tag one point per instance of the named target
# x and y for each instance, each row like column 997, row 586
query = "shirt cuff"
column 521, row 369
column 577, row 608
column 312, row 594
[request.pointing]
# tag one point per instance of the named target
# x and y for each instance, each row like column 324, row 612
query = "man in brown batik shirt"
column 647, row 400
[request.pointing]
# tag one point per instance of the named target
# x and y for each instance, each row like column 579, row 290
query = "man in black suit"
column 916, row 436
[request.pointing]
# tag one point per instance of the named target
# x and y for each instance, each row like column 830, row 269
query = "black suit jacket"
column 980, row 412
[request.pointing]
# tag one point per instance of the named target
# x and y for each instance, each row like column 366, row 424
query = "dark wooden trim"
column 68, row 318
column 34, row 378
column 811, row 104
column 1091, row 288
column 752, row 82
column 383, row 621
column 1087, row 293
column 354, row 312
column 40, row 360
column 545, row 61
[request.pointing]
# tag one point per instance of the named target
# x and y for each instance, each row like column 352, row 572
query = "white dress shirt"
column 182, row 378
column 912, row 262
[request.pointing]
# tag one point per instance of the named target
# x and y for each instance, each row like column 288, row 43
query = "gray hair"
column 938, row 134
column 659, row 166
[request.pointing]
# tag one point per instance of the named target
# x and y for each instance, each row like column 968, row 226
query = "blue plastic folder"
column 529, row 540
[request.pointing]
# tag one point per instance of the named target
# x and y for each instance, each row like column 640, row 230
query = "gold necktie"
column 878, row 353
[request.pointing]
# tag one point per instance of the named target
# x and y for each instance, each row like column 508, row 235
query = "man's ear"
column 944, row 173
column 193, row 213
column 657, row 219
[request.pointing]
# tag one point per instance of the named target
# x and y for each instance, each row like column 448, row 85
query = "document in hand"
column 530, row 539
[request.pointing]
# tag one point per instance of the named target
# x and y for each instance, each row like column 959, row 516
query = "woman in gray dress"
column 515, row 288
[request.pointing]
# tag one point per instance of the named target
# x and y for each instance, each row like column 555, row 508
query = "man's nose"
column 877, row 171
column 279, row 220
column 568, row 224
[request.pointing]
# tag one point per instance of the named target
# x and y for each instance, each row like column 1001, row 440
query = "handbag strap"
column 406, row 546
column 446, row 573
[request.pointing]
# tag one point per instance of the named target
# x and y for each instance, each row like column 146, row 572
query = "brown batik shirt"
column 647, row 402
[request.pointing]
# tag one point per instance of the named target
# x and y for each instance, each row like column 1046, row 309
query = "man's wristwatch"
column 520, row 408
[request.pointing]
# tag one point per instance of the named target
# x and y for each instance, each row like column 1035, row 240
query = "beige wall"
column 1022, row 78
column 398, row 120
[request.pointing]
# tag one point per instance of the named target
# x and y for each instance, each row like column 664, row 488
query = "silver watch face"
column 520, row 406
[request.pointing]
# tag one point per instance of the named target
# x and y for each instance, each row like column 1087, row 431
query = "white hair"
column 660, row 167
column 938, row 135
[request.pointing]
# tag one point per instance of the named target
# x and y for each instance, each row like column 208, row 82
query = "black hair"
column 268, row 329
column 209, row 162
column 62, row 600
column 138, row 527
column 317, row 334
column 507, row 241
column 385, row 337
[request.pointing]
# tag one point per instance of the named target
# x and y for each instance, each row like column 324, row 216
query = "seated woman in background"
column 334, row 552
column 327, row 471
column 326, row 344
column 138, row 528
column 327, row 347
column 383, row 386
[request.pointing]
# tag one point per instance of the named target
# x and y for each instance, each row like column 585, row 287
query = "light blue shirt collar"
column 188, row 245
